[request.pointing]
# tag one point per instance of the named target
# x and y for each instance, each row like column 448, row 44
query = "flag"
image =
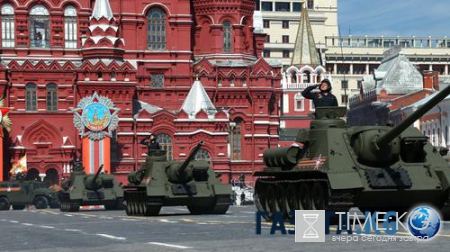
column 19, row 166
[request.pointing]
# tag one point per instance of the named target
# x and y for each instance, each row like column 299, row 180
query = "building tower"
column 305, row 70
column 244, row 84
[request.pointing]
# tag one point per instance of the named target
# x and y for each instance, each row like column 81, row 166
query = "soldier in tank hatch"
column 324, row 98
column 152, row 144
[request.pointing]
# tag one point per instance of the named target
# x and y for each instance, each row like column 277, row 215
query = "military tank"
column 336, row 167
column 83, row 189
column 160, row 182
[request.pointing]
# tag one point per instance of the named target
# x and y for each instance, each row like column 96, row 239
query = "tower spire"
column 305, row 52
column 102, row 9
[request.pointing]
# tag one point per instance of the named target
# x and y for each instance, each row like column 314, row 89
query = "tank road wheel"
column 65, row 206
column 62, row 207
column 74, row 207
column 282, row 199
column 110, row 205
column 129, row 200
column 18, row 207
column 319, row 196
column 304, row 197
column 197, row 210
column 272, row 205
column 120, row 204
column 140, row 207
column 260, row 198
column 40, row 202
column 128, row 207
column 133, row 204
column 143, row 208
column 222, row 205
column 4, row 204
column 54, row 204
column 292, row 200
column 153, row 207
column 220, row 209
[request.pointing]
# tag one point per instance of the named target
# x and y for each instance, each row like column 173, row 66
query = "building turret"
column 102, row 39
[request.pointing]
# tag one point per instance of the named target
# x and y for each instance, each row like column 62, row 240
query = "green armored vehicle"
column 375, row 168
column 172, row 183
column 19, row 194
column 83, row 189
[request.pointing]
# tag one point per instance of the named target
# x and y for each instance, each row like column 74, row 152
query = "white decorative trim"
column 143, row 133
column 17, row 147
column 260, row 135
column 201, row 120
column 201, row 131
column 125, row 119
column 266, row 122
column 144, row 120
column 125, row 133
column 68, row 147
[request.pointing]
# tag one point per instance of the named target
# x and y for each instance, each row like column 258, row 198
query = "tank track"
column 68, row 206
column 138, row 204
column 333, row 200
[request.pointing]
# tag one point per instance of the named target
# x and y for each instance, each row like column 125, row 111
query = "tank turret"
column 94, row 182
column 382, row 145
column 179, row 173
column 337, row 167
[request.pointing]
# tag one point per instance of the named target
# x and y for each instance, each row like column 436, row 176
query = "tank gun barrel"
column 394, row 132
column 94, row 180
column 190, row 157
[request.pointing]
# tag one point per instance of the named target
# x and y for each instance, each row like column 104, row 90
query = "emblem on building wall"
column 96, row 117
column 5, row 121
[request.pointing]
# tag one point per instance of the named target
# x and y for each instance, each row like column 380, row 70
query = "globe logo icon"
column 424, row 222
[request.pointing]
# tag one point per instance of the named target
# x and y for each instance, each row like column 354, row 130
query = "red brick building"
column 144, row 56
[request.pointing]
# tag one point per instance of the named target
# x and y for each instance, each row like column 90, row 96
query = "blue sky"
column 395, row 17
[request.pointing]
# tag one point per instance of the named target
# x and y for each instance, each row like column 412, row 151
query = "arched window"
column 70, row 27
column 202, row 155
column 244, row 81
column 227, row 36
column 52, row 97
column 165, row 142
column 232, row 81
column 306, row 77
column 7, row 26
column 39, row 27
column 236, row 139
column 299, row 102
column 31, row 101
column 294, row 77
column 156, row 30
column 33, row 175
